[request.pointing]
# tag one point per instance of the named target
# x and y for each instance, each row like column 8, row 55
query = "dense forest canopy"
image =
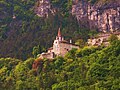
column 90, row 68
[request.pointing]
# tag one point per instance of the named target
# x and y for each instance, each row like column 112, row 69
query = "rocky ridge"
column 43, row 8
column 104, row 18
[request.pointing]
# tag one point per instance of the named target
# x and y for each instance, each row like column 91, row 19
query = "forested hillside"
column 21, row 29
column 90, row 68
column 24, row 35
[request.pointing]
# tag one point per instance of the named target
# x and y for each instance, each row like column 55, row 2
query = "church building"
column 60, row 47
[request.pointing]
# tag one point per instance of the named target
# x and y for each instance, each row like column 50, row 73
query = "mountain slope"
column 90, row 68
column 21, row 29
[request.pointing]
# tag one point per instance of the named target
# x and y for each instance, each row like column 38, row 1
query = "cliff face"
column 104, row 18
column 42, row 8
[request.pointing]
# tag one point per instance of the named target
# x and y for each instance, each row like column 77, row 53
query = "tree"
column 80, row 43
column 36, row 51
column 112, row 38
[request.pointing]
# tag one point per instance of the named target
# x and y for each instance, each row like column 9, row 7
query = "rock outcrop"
column 104, row 18
column 43, row 8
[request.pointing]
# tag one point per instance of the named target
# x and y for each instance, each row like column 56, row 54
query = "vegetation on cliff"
column 21, row 30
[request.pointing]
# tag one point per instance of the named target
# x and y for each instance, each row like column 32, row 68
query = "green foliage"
column 71, row 54
column 80, row 43
column 36, row 51
column 19, row 35
column 113, row 38
column 93, row 68
column 63, row 5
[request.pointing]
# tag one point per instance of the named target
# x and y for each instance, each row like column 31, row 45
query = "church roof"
column 50, row 48
column 66, row 42
column 59, row 33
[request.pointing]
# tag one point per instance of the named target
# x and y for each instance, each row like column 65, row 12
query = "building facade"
column 60, row 47
column 102, row 39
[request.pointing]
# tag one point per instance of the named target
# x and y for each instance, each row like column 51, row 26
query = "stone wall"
column 56, row 48
column 47, row 55
column 64, row 48
column 61, row 48
column 102, row 39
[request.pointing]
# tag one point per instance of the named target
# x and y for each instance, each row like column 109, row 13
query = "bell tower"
column 59, row 36
column 57, row 41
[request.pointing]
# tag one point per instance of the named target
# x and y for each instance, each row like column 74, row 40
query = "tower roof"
column 59, row 33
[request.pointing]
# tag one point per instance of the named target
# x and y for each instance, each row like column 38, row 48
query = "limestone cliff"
column 43, row 8
column 104, row 17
